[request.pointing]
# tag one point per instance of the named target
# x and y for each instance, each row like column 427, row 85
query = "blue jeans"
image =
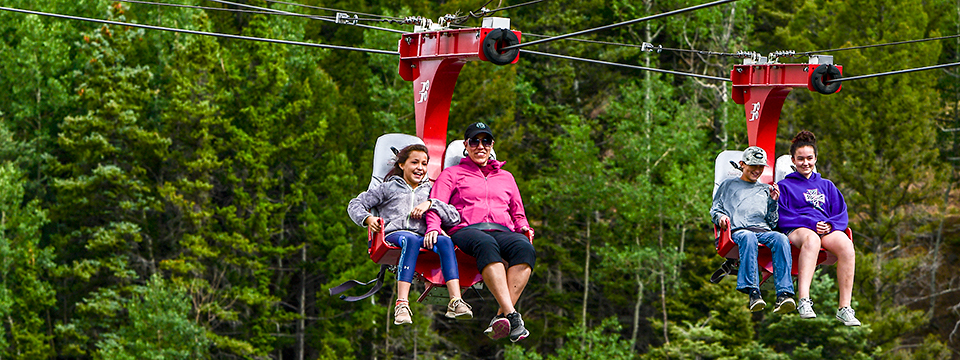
column 410, row 244
column 747, row 278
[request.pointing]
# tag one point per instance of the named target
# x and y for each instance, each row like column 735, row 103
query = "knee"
column 444, row 243
column 411, row 242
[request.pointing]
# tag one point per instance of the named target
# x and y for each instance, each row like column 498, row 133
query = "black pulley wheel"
column 497, row 39
column 822, row 73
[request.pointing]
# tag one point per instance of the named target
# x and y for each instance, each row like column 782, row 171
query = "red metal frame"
column 432, row 60
column 761, row 89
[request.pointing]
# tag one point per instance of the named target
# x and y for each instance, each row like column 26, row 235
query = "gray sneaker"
column 846, row 315
column 517, row 330
column 806, row 309
column 499, row 328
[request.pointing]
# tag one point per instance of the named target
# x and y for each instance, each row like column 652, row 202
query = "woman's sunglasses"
column 474, row 142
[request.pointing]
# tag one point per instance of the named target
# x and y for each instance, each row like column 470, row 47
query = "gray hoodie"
column 394, row 200
column 747, row 204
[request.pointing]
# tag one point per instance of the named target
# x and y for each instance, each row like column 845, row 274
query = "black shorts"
column 495, row 246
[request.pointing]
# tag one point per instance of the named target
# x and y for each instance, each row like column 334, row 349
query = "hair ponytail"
column 803, row 138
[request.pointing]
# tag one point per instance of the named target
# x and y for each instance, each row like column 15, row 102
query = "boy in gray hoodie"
column 749, row 208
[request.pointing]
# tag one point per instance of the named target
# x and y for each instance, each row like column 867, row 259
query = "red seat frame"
column 428, row 263
column 729, row 249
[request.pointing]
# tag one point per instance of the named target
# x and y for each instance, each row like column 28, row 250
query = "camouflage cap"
column 754, row 155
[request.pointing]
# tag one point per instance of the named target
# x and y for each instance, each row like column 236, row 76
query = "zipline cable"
column 329, row 9
column 611, row 26
column 646, row 47
column 481, row 12
column 212, row 8
column 601, row 62
column 893, row 72
column 313, row 16
column 879, row 45
column 194, row 32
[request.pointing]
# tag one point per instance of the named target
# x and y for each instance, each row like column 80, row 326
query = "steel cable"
column 312, row 16
column 601, row 62
column 194, row 32
column 611, row 26
column 879, row 45
column 893, row 72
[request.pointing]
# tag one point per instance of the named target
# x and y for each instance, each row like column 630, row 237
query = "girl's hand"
column 373, row 223
column 420, row 209
column 430, row 239
column 823, row 228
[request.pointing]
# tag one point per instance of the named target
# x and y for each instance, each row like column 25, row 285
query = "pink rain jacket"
column 494, row 198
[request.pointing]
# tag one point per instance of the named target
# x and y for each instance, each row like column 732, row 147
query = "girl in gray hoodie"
column 402, row 200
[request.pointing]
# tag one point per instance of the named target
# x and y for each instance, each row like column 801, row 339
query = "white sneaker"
column 846, row 315
column 806, row 309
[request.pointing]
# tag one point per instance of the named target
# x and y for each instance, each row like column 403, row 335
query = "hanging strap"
column 350, row 284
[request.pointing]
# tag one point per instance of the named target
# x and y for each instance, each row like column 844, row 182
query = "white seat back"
column 384, row 157
column 785, row 167
column 454, row 153
column 724, row 170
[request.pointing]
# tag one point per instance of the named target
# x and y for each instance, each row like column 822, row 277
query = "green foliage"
column 176, row 196
column 158, row 326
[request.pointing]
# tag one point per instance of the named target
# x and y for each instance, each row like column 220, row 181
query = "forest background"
column 171, row 196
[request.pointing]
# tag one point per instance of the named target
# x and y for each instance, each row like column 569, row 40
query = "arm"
column 773, row 214
column 517, row 212
column 448, row 214
column 359, row 207
column 442, row 191
column 716, row 211
column 838, row 218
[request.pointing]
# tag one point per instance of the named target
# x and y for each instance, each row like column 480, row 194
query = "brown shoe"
column 457, row 308
column 402, row 314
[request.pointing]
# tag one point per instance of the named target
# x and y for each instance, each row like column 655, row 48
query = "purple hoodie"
column 804, row 202
column 493, row 198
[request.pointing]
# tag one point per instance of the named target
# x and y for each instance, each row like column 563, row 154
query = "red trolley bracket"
column 432, row 60
column 761, row 89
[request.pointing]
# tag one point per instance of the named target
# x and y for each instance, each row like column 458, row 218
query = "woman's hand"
column 430, row 239
column 420, row 209
column 373, row 223
column 823, row 228
column 526, row 230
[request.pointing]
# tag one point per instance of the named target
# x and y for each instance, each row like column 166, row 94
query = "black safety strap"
column 350, row 284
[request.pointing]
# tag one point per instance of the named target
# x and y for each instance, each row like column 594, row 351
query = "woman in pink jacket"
column 493, row 227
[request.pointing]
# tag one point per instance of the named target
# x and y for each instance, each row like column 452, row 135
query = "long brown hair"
column 804, row 138
column 402, row 157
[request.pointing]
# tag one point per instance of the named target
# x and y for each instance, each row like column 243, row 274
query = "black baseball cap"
column 477, row 128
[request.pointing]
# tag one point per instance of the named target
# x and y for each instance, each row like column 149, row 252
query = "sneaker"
column 402, row 314
column 785, row 304
column 517, row 330
column 499, row 327
column 756, row 302
column 846, row 315
column 457, row 308
column 806, row 309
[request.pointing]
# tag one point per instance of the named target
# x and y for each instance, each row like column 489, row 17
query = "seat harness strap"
column 350, row 284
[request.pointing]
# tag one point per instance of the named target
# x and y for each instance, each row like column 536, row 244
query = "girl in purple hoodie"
column 813, row 214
